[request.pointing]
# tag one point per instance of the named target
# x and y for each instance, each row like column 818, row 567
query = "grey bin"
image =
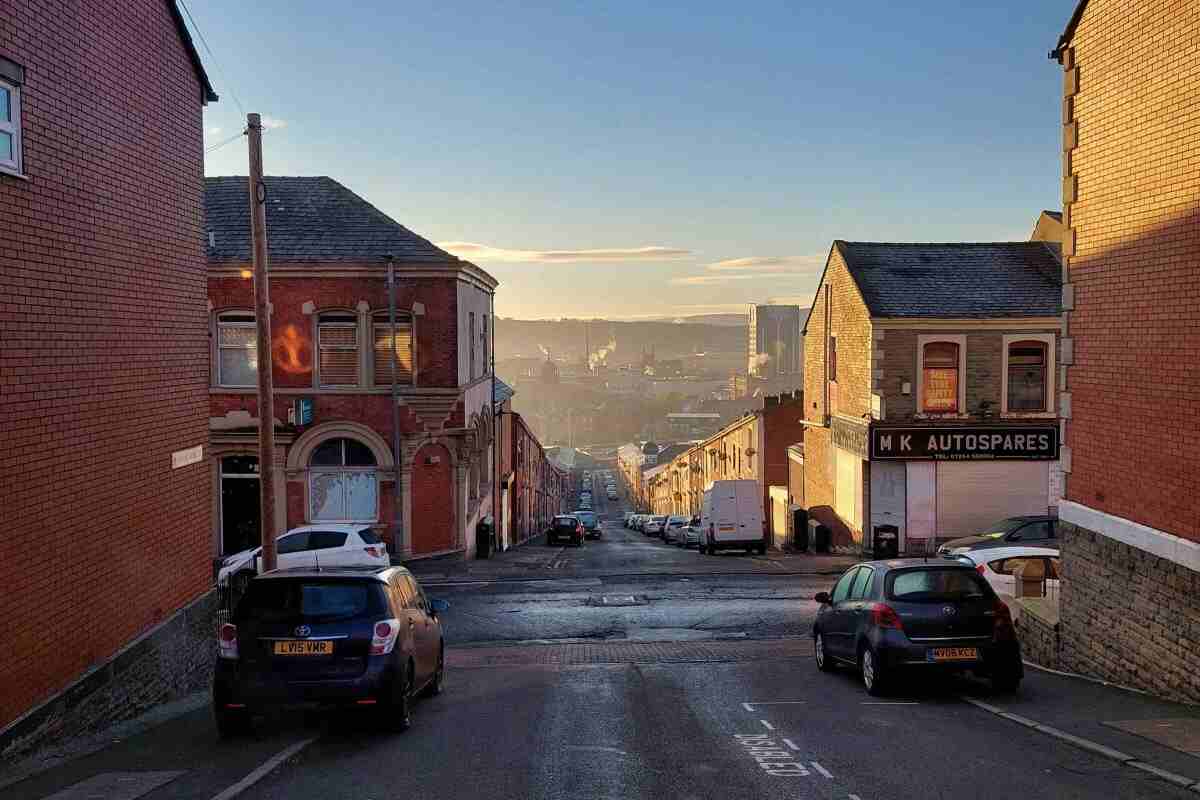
column 885, row 542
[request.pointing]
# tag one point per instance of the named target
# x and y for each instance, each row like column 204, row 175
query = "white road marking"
column 748, row 707
column 822, row 770
column 263, row 770
column 597, row 748
column 865, row 703
column 855, row 797
column 767, row 725
column 791, row 744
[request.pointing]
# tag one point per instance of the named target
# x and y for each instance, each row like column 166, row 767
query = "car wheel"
column 397, row 711
column 871, row 670
column 824, row 661
column 438, row 684
column 762, row 549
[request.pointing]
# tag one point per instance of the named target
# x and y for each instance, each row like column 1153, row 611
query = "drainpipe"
column 495, row 433
column 398, row 457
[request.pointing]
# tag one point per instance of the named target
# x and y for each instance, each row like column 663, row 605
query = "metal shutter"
column 383, row 356
column 973, row 494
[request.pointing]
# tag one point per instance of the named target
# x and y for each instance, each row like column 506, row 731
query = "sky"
column 633, row 160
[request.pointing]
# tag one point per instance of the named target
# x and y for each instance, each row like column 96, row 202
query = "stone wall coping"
column 1044, row 609
column 1165, row 545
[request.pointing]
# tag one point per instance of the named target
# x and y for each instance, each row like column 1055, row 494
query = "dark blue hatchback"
column 342, row 636
column 891, row 617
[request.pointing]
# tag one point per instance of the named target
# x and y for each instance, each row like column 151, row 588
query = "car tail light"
column 384, row 638
column 1003, row 630
column 884, row 616
column 374, row 551
column 227, row 641
column 981, row 569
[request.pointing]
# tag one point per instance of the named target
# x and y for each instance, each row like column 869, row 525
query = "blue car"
column 364, row 637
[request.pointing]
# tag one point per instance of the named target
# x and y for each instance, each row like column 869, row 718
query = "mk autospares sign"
column 1027, row 443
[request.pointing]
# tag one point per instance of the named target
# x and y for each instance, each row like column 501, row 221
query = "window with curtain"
column 939, row 381
column 385, row 343
column 343, row 484
column 337, row 341
column 237, row 350
column 1027, row 376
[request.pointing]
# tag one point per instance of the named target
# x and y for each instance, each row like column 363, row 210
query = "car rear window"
column 935, row 585
column 310, row 600
column 565, row 522
column 324, row 540
column 368, row 536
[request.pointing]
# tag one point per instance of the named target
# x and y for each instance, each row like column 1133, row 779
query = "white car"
column 654, row 525
column 997, row 564
column 311, row 546
column 691, row 534
column 673, row 529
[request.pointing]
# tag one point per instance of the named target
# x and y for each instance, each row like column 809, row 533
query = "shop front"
column 939, row 482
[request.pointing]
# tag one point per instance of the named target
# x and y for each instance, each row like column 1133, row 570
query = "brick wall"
column 1128, row 616
column 103, row 367
column 1130, row 133
column 850, row 322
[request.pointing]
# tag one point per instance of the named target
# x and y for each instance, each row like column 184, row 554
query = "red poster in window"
column 940, row 387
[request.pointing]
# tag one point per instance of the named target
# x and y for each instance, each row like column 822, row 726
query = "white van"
column 732, row 517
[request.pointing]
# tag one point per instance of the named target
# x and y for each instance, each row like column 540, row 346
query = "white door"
column 971, row 495
column 848, row 493
column 888, row 496
column 920, row 500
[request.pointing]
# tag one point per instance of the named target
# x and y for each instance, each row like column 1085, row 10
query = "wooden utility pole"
column 262, row 318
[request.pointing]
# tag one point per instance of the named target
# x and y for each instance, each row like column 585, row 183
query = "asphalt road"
column 670, row 683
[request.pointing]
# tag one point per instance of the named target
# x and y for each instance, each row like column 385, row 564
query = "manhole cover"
column 621, row 600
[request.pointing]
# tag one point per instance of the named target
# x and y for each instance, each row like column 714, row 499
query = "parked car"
column 731, row 517
column 568, row 527
column 638, row 521
column 691, row 534
column 1033, row 530
column 326, row 545
column 590, row 522
column 998, row 566
column 654, row 525
column 888, row 617
column 627, row 518
column 673, row 528
column 364, row 637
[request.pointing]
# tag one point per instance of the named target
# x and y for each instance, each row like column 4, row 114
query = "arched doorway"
column 433, row 494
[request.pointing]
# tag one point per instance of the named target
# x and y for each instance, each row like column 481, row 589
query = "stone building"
column 103, row 359
column 1130, row 601
column 930, row 399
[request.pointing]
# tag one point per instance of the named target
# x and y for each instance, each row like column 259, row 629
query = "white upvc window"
column 1027, row 375
column 941, row 375
column 10, row 127
column 237, row 349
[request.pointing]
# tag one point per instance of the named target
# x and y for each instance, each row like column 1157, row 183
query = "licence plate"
column 296, row 647
column 952, row 654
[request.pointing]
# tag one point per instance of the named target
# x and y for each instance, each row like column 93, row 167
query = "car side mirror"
column 437, row 606
column 822, row 598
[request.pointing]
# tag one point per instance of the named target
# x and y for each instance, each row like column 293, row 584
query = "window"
column 385, row 344
column 337, row 342
column 343, row 486
column 296, row 543
column 842, row 589
column 1033, row 532
column 1027, row 376
column 368, row 536
column 939, row 377
column 325, row 540
column 483, row 340
column 10, row 127
column 861, row 584
column 237, row 350
column 833, row 358
column 471, row 340
column 936, row 585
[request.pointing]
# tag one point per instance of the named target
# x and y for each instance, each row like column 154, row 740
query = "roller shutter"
column 973, row 494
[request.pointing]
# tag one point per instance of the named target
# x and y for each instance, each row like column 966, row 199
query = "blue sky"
column 632, row 159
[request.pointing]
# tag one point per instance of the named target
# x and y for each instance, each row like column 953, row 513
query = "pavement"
column 660, row 681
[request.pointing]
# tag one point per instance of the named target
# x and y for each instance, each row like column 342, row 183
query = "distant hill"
column 572, row 338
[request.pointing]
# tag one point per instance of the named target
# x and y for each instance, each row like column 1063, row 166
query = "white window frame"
column 1045, row 338
column 12, row 165
column 381, row 319
column 321, row 320
column 217, row 376
column 959, row 339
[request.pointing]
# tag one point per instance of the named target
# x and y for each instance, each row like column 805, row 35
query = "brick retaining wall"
column 1128, row 616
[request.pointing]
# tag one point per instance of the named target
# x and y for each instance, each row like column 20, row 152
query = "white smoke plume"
column 600, row 356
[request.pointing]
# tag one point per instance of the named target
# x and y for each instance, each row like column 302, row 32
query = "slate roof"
column 957, row 280
column 308, row 220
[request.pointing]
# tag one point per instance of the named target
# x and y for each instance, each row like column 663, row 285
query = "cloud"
column 708, row 280
column 806, row 264
column 216, row 131
column 273, row 123
column 485, row 252
column 802, row 300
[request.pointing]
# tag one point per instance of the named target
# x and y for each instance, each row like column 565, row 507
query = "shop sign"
column 849, row 435
column 1025, row 442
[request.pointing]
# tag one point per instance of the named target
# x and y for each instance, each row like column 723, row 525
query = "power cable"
column 213, row 56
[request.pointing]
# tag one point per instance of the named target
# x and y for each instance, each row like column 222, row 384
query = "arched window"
column 343, row 485
column 940, row 377
column 237, row 349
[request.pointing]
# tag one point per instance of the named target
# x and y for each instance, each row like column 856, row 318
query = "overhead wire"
column 212, row 56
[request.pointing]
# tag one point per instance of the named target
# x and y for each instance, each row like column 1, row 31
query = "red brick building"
column 1130, row 603
column 332, row 359
column 930, row 399
column 102, row 362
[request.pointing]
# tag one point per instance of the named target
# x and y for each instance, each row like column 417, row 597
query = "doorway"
column 240, row 512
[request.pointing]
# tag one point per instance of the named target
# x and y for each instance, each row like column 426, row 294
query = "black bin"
column 822, row 539
column 885, row 541
column 800, row 530
column 483, row 539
